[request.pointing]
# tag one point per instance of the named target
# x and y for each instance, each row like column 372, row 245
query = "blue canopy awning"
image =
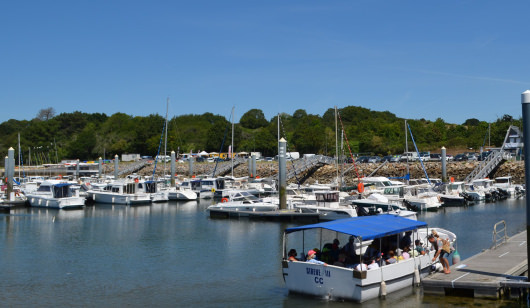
column 366, row 227
column 62, row 184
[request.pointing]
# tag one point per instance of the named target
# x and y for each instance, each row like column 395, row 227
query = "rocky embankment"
column 327, row 173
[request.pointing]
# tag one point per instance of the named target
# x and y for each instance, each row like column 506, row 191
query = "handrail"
column 497, row 241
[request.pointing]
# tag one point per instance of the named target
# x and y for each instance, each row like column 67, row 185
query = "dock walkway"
column 487, row 274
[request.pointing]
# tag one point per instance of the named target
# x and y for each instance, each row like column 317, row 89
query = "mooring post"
column 77, row 170
column 6, row 166
column 190, row 162
column 172, row 168
column 100, row 167
column 525, row 102
column 116, row 166
column 282, row 177
column 444, row 165
column 250, row 173
column 10, row 170
column 253, row 166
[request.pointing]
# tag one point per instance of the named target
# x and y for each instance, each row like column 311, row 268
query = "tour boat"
column 337, row 282
column 55, row 194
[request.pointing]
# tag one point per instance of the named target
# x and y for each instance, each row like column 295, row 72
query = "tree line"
column 85, row 136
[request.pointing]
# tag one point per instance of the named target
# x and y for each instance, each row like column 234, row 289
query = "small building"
column 130, row 157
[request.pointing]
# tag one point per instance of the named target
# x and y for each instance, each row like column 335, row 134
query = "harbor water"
column 173, row 254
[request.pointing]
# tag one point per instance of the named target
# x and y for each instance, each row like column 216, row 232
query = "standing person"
column 440, row 252
column 349, row 249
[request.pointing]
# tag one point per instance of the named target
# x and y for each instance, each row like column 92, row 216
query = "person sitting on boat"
column 440, row 252
column 311, row 258
column 419, row 247
column 335, row 250
column 406, row 253
column 373, row 264
column 341, row 261
column 292, row 255
column 391, row 257
column 361, row 267
column 372, row 251
column 349, row 250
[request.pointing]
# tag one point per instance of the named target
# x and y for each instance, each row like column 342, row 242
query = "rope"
column 158, row 152
column 349, row 149
column 222, row 144
column 421, row 160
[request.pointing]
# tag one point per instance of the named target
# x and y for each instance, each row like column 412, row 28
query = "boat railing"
column 499, row 234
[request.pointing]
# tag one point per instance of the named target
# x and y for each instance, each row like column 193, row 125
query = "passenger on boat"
column 372, row 251
column 311, row 254
column 406, row 253
column 292, row 255
column 335, row 250
column 440, row 253
column 349, row 250
column 419, row 247
column 372, row 264
column 361, row 267
column 391, row 257
column 342, row 261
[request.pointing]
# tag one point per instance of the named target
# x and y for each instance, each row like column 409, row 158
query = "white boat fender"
column 417, row 279
column 456, row 257
column 383, row 288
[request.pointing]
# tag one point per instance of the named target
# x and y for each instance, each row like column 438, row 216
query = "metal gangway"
column 495, row 158
column 226, row 166
column 132, row 168
column 299, row 166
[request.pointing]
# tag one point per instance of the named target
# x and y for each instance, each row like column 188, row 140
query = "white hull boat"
column 55, row 194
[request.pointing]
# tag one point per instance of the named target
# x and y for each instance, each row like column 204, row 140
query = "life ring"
column 136, row 180
column 224, row 200
column 213, row 189
column 360, row 187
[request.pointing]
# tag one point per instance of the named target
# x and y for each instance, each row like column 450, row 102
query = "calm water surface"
column 171, row 254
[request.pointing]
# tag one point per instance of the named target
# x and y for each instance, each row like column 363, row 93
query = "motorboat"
column 421, row 198
column 120, row 192
column 505, row 183
column 346, row 282
column 242, row 202
column 181, row 193
column 454, row 194
column 327, row 206
column 55, row 194
column 155, row 192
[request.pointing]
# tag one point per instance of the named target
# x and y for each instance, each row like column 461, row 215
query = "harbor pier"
column 493, row 273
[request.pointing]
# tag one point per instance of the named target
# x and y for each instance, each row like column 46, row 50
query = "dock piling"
column 116, row 166
column 282, row 178
column 525, row 102
column 444, row 165
column 172, row 168
column 10, row 170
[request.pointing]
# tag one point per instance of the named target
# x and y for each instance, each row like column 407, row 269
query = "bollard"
column 444, row 165
column 282, row 176
column 116, row 166
column 172, row 168
column 100, row 167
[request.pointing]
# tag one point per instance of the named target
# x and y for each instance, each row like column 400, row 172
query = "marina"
column 172, row 252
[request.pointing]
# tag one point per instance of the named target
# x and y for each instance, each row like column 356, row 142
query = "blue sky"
column 418, row 59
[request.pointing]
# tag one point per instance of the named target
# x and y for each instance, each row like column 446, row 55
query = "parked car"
column 461, row 157
column 449, row 157
column 374, row 159
column 363, row 159
column 425, row 157
column 472, row 156
column 436, row 157
column 483, row 155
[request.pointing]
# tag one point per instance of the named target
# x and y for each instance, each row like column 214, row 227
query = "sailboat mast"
column 19, row 156
column 165, row 138
column 337, row 143
column 232, row 152
column 407, row 149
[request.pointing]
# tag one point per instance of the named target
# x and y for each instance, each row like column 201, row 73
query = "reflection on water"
column 172, row 253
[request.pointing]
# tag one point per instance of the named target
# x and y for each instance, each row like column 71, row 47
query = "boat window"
column 150, row 187
column 61, row 191
column 114, row 189
column 130, row 188
column 44, row 188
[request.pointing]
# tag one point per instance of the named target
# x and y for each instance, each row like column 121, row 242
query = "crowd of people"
column 382, row 251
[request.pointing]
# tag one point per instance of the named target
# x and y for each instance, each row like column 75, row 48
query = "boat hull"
column 343, row 283
column 125, row 199
column 56, row 203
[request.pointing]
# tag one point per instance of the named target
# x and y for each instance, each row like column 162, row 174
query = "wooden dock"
column 489, row 274
column 279, row 215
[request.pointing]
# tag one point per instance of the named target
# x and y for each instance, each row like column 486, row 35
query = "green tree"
column 254, row 118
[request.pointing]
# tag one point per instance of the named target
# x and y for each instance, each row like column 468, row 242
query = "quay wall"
column 327, row 173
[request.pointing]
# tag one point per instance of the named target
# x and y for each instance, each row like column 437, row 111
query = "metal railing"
column 484, row 169
column 499, row 236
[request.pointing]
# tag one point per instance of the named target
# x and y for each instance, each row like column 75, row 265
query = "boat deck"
column 279, row 215
column 488, row 274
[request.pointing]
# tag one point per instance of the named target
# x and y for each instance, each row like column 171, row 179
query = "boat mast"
column 336, row 143
column 165, row 138
column 232, row 152
column 19, row 156
column 407, row 150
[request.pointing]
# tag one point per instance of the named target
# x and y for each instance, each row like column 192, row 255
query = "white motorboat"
column 505, row 183
column 181, row 193
column 327, row 206
column 55, row 194
column 421, row 198
column 338, row 282
column 155, row 193
column 120, row 192
column 242, row 202
column 454, row 194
